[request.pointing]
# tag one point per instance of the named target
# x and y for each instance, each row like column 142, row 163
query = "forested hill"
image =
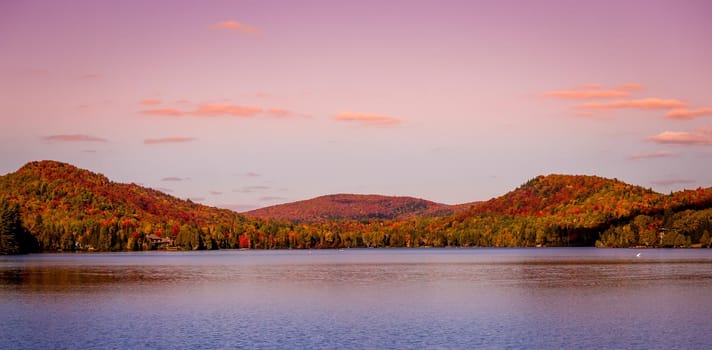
column 583, row 210
column 52, row 206
column 67, row 208
column 355, row 207
column 563, row 194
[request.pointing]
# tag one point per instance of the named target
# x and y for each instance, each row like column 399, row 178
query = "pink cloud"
column 701, row 136
column 594, row 91
column 172, row 139
column 215, row 193
column 251, row 189
column 166, row 112
column 73, row 138
column 659, row 154
column 150, row 102
column 670, row 182
column 684, row 113
column 644, row 104
column 235, row 26
column 172, row 178
column 278, row 112
column 271, row 198
column 208, row 110
column 367, row 119
column 586, row 94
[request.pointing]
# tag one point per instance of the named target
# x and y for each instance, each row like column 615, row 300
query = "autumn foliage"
column 65, row 208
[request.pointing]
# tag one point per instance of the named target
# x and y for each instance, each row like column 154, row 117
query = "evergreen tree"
column 13, row 238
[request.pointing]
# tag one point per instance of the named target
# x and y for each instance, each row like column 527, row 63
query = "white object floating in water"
column 637, row 255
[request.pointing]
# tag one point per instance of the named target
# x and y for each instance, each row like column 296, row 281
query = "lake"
column 359, row 299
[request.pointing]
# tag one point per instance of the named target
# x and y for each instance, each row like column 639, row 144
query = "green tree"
column 14, row 239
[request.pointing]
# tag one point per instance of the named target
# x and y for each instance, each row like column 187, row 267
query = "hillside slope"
column 68, row 208
column 353, row 207
column 571, row 210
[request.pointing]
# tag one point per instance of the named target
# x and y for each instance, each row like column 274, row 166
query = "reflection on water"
column 358, row 298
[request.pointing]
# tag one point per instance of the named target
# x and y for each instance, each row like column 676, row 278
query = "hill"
column 67, row 208
column 353, row 207
column 575, row 210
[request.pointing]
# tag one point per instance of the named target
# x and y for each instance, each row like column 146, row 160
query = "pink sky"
column 243, row 104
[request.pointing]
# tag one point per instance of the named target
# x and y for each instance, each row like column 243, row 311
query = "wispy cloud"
column 89, row 76
column 671, row 182
column 165, row 112
column 207, row 110
column 658, row 154
column 252, row 174
column 251, row 189
column 271, row 198
column 172, row 139
column 172, row 178
column 644, row 104
column 278, row 112
column 593, row 91
column 215, row 193
column 235, row 26
column 684, row 113
column 701, row 136
column 150, row 102
column 73, row 138
column 367, row 119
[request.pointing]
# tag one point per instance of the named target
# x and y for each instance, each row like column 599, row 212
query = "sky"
column 246, row 104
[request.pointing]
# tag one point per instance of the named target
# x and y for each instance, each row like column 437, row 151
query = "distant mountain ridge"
column 355, row 207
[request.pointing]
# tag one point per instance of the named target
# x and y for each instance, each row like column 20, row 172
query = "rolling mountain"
column 576, row 209
column 67, row 208
column 53, row 206
column 354, row 207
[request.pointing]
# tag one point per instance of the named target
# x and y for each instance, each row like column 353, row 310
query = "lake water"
column 359, row 299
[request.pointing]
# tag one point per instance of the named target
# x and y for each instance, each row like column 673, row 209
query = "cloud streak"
column 659, row 154
column 73, row 138
column 686, row 114
column 367, row 119
column 207, row 110
column 172, row 139
column 235, row 26
column 210, row 110
column 643, row 104
column 593, row 91
column 271, row 198
column 701, row 136
column 251, row 189
column 172, row 178
column 671, row 182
